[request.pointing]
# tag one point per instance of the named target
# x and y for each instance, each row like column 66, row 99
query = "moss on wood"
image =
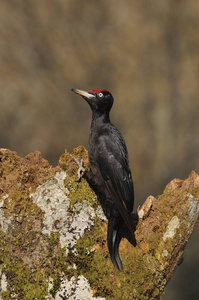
column 39, row 251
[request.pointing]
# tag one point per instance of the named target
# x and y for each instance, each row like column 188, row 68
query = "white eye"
column 100, row 95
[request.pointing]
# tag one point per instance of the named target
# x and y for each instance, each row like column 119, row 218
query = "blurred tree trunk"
column 53, row 234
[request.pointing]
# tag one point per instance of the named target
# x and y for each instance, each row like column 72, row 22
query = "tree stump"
column 53, row 234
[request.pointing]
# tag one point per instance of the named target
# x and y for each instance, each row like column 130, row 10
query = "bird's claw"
column 81, row 170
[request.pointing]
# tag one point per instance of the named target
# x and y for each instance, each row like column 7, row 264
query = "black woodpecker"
column 110, row 176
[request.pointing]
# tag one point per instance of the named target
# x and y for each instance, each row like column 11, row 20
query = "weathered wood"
column 53, row 234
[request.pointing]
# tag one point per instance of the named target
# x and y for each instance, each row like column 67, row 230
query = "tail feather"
column 114, row 238
column 117, row 229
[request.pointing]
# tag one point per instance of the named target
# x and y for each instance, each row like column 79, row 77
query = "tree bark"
column 53, row 234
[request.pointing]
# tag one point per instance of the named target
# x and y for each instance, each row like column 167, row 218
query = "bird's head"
column 99, row 100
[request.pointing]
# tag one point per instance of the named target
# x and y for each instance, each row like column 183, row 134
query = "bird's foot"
column 81, row 169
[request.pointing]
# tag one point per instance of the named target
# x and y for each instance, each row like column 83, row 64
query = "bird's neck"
column 100, row 118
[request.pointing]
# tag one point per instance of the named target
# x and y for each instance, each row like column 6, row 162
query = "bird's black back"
column 108, row 158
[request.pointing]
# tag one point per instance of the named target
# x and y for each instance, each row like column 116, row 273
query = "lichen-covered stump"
column 53, row 234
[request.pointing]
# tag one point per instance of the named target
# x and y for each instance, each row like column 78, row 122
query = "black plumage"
column 110, row 175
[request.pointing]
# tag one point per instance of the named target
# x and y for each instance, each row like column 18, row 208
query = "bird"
column 109, row 175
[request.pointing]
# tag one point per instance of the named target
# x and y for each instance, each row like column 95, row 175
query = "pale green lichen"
column 193, row 208
column 3, row 282
column 171, row 228
column 75, row 288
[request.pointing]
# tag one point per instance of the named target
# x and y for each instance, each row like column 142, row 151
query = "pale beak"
column 85, row 94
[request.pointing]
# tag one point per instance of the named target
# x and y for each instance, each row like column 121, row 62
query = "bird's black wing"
column 112, row 159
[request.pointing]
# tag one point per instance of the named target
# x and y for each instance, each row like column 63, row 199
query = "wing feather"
column 114, row 167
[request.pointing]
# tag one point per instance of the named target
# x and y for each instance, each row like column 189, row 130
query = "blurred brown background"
column 145, row 52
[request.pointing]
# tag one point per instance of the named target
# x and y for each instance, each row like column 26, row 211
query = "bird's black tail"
column 117, row 229
column 114, row 236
